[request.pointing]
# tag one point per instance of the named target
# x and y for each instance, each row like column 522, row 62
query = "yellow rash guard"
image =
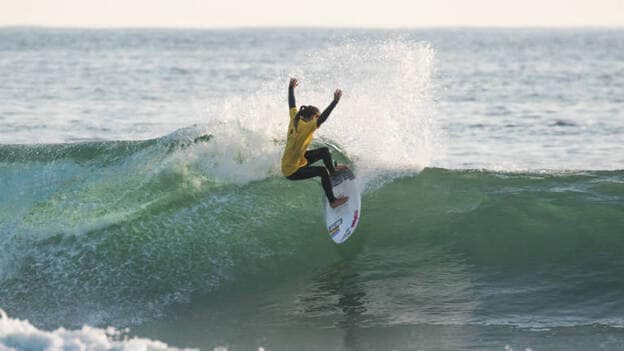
column 297, row 143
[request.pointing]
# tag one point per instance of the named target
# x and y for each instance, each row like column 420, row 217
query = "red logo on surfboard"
column 355, row 218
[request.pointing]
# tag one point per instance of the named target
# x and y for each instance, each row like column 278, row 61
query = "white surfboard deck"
column 342, row 220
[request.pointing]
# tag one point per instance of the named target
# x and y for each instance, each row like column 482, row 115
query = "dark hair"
column 306, row 112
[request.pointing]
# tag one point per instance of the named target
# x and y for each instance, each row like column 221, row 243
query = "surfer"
column 296, row 161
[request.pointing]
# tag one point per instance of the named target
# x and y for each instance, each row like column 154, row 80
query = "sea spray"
column 385, row 121
column 384, row 124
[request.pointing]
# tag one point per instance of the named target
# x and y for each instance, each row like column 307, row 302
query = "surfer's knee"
column 324, row 172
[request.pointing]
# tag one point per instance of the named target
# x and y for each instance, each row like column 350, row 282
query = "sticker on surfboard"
column 342, row 220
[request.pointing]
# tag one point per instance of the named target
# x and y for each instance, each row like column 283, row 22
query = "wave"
column 90, row 231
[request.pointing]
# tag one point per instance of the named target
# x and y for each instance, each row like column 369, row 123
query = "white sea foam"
column 20, row 335
column 235, row 154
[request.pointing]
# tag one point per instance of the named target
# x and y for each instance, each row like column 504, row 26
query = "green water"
column 133, row 234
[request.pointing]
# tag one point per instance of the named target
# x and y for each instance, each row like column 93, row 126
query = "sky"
column 305, row 13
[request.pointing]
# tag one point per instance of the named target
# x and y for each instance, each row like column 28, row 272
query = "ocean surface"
column 141, row 205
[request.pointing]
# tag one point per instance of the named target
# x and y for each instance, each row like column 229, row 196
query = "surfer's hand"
column 293, row 83
column 337, row 95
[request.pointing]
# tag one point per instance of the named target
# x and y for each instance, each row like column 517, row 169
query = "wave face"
column 115, row 232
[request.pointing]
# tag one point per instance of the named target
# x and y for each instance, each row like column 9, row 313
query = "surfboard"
column 342, row 220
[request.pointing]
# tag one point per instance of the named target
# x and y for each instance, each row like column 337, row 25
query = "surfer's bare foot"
column 339, row 168
column 339, row 201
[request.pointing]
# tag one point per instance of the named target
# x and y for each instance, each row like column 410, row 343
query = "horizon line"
column 250, row 27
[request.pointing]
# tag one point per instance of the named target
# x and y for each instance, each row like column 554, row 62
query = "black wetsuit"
column 312, row 156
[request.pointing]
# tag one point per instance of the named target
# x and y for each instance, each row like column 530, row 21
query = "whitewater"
column 142, row 205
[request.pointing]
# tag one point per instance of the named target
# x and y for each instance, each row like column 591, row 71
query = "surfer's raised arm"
column 328, row 110
column 291, row 92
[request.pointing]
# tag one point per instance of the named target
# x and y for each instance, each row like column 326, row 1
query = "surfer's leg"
column 321, row 154
column 315, row 171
